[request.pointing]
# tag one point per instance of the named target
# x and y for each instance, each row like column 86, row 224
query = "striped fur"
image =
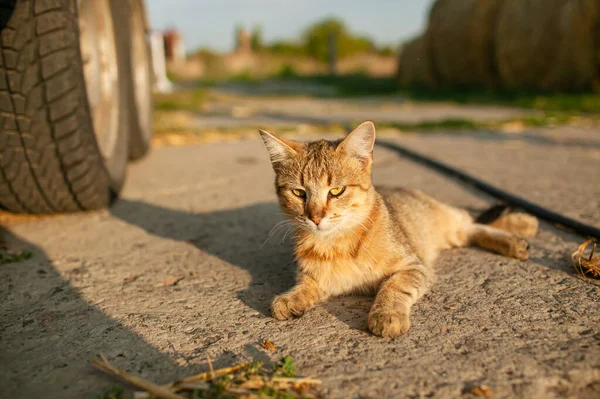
column 382, row 241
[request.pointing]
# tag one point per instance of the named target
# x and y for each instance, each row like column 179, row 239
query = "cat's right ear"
column 360, row 141
column 279, row 149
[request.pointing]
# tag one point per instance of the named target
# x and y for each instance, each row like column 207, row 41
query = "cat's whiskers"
column 364, row 227
column 277, row 227
column 291, row 228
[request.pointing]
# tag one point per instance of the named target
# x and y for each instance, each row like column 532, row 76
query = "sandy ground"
column 103, row 282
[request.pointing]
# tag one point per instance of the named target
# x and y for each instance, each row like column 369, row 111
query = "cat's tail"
column 494, row 213
column 504, row 217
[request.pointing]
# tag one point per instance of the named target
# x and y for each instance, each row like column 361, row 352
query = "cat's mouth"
column 325, row 227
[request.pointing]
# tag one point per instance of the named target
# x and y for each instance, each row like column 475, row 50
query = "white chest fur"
column 343, row 276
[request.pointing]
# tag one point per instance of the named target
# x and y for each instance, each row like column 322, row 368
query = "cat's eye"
column 335, row 192
column 299, row 193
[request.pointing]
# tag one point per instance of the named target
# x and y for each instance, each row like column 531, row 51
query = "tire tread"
column 49, row 159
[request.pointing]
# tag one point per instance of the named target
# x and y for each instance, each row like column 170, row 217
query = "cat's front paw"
column 388, row 323
column 286, row 306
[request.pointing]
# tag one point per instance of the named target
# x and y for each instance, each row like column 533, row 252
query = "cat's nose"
column 316, row 219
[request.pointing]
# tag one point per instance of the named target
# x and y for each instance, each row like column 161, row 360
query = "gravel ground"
column 105, row 282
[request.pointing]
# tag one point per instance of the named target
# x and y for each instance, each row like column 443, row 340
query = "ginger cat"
column 351, row 237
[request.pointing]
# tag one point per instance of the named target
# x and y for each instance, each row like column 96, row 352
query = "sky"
column 211, row 23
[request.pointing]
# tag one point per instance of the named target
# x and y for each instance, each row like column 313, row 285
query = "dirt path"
column 231, row 108
column 105, row 282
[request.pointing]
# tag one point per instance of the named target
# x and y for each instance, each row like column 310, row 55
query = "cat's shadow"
column 352, row 310
column 238, row 237
column 233, row 235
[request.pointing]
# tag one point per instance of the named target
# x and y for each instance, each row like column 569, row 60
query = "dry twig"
column 587, row 266
column 156, row 390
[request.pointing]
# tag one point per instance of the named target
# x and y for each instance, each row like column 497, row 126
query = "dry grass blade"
column 243, row 393
column 268, row 345
column 482, row 391
column 203, row 386
column 208, row 376
column 173, row 280
column 153, row 389
column 210, row 366
column 240, row 381
column 293, row 380
column 255, row 383
column 587, row 265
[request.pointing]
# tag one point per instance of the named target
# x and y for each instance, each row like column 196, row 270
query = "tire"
column 61, row 149
column 136, row 71
column 6, row 9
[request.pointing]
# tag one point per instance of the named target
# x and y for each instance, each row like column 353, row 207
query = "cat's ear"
column 279, row 149
column 361, row 141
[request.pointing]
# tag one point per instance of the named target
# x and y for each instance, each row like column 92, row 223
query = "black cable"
column 536, row 210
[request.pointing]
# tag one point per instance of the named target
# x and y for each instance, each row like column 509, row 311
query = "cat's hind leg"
column 498, row 241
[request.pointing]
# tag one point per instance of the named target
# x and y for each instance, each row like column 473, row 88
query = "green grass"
column 360, row 84
column 557, row 108
column 112, row 393
column 245, row 78
column 445, row 124
column 286, row 367
column 547, row 119
column 352, row 85
column 588, row 103
column 190, row 100
column 14, row 257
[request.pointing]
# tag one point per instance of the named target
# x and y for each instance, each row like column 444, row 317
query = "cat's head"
column 324, row 186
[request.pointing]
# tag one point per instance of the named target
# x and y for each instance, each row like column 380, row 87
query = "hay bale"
column 547, row 44
column 461, row 34
column 575, row 66
column 414, row 65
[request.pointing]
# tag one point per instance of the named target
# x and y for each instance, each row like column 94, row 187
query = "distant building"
column 174, row 48
column 243, row 43
column 159, row 62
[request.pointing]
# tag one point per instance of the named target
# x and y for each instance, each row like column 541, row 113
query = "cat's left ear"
column 279, row 149
column 361, row 141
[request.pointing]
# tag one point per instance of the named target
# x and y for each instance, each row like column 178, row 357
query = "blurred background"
column 277, row 38
column 536, row 55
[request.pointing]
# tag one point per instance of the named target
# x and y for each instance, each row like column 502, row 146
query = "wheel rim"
column 100, row 69
column 140, row 60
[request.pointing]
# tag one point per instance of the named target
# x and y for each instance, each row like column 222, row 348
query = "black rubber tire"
column 49, row 158
column 6, row 10
column 125, row 15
